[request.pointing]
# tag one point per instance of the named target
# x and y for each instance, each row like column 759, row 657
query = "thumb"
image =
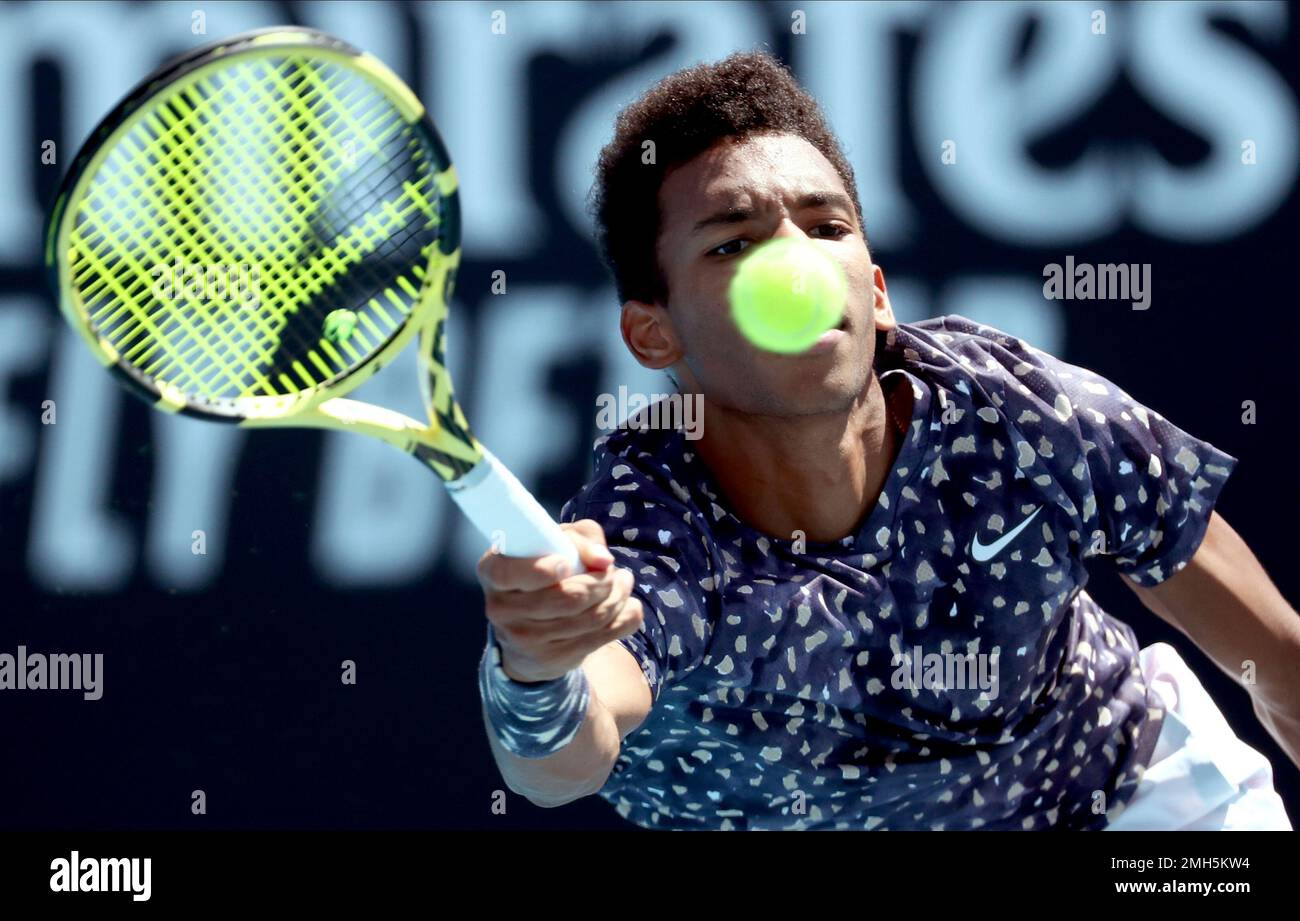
column 589, row 538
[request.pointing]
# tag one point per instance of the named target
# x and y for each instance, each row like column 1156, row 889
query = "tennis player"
column 765, row 633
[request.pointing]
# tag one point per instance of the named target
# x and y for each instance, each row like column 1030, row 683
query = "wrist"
column 531, row 719
column 510, row 667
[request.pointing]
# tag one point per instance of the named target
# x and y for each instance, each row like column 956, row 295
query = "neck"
column 818, row 474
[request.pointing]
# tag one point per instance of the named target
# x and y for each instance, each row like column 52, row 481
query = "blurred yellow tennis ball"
column 786, row 293
column 339, row 325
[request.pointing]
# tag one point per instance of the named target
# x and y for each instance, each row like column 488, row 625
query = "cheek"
column 859, row 275
column 718, row 352
column 706, row 310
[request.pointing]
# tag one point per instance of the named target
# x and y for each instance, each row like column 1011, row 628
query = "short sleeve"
column 673, row 569
column 1145, row 489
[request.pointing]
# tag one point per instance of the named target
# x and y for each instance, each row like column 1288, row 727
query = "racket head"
column 258, row 227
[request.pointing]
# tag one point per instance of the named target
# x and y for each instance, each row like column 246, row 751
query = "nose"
column 789, row 229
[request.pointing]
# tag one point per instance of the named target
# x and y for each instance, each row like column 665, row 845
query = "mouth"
column 829, row 339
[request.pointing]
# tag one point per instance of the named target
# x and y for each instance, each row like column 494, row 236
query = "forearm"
column 1278, row 688
column 559, row 691
column 578, row 769
column 1226, row 604
column 1248, row 630
column 1277, row 700
column 1283, row 726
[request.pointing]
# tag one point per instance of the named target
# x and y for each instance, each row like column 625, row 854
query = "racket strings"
column 316, row 273
column 256, row 166
column 304, row 177
column 198, row 112
column 160, row 150
column 309, row 278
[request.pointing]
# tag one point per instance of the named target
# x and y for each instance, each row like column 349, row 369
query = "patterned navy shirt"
column 785, row 672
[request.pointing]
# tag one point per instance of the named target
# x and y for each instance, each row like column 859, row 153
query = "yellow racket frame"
column 443, row 441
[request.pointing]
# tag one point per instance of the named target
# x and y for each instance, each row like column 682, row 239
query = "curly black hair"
column 686, row 113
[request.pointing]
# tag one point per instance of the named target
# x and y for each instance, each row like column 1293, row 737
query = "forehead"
column 746, row 173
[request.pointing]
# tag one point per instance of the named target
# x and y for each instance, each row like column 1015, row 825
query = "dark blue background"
column 234, row 688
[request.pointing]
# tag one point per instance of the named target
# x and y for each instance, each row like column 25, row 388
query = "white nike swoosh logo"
column 985, row 552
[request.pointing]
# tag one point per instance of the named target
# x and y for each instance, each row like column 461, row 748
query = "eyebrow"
column 736, row 215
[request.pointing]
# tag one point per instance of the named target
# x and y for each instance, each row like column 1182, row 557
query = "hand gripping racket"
column 260, row 226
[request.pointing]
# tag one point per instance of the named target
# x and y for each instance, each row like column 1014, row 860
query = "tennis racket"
column 255, row 230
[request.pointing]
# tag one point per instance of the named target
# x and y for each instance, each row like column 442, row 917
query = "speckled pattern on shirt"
column 771, row 669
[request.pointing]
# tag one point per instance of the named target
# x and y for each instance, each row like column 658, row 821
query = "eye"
column 730, row 248
column 837, row 231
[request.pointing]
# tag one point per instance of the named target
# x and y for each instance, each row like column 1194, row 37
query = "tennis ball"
column 786, row 293
column 339, row 325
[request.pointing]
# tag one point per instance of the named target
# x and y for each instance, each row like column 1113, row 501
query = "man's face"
column 714, row 209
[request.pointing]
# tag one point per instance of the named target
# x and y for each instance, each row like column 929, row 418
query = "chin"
column 807, row 386
column 836, row 386
column 833, row 394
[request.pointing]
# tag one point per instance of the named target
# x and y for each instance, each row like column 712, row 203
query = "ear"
column 649, row 334
column 882, row 309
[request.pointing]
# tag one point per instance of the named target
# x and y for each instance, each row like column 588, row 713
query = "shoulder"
column 977, row 359
column 629, row 465
column 955, row 342
column 646, row 490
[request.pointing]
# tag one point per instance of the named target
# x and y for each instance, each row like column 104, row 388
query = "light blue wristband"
column 531, row 720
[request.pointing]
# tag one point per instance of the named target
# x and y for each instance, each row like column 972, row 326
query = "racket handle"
column 507, row 514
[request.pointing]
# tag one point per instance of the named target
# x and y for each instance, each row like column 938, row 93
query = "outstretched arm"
column 1226, row 604
column 547, row 625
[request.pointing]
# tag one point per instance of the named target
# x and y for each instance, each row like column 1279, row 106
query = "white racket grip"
column 507, row 514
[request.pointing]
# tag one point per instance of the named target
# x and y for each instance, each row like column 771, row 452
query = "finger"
column 553, row 602
column 500, row 573
column 627, row 622
column 588, row 537
column 596, row 617
column 586, row 527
